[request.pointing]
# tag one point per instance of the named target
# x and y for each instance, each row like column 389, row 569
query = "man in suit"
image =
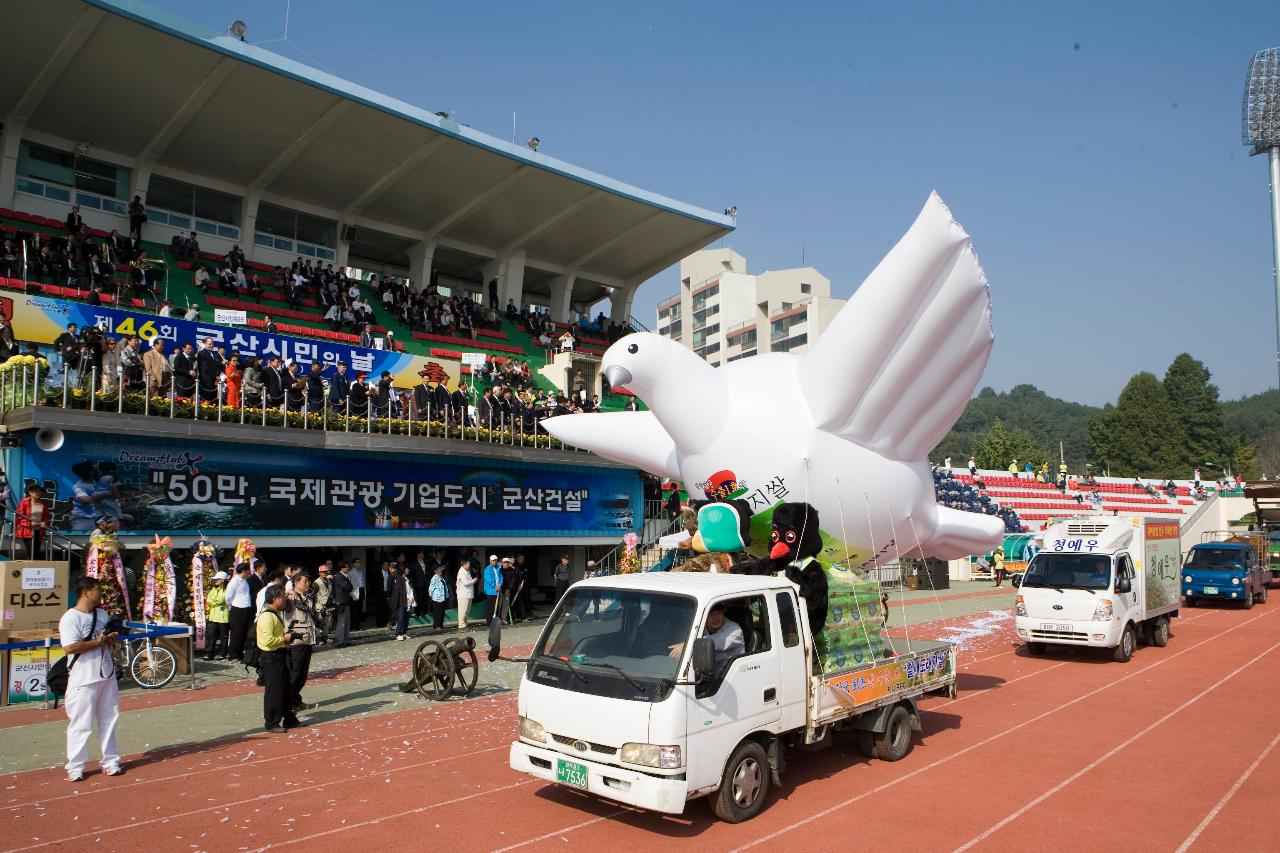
column 74, row 223
column 155, row 367
column 366, row 337
column 133, row 248
column 486, row 411
column 342, row 602
column 273, row 378
column 315, row 388
column 184, row 371
column 209, row 368
column 419, row 576
column 339, row 388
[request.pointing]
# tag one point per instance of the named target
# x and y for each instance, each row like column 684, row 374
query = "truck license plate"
column 571, row 773
column 1050, row 626
column 1210, row 590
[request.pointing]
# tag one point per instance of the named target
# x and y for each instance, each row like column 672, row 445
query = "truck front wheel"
column 1124, row 651
column 1248, row 601
column 744, row 786
column 894, row 742
column 1035, row 648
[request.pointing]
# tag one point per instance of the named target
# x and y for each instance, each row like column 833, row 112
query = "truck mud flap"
column 878, row 720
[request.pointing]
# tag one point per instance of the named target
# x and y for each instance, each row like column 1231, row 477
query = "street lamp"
column 1262, row 133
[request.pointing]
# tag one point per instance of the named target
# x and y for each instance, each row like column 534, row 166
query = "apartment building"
column 724, row 313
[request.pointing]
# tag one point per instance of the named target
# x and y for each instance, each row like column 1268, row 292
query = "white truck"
column 624, row 695
column 1105, row 581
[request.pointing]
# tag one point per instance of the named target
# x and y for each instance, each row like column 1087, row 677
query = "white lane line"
column 419, row 810
column 201, row 771
column 1125, row 744
column 547, row 835
column 821, row 814
column 1226, row 798
column 255, row 799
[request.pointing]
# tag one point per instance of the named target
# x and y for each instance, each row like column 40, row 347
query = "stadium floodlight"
column 534, row 143
column 238, row 29
column 731, row 211
column 443, row 115
column 1262, row 133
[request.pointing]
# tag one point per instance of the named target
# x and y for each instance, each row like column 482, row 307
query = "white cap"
column 220, row 576
column 493, row 556
column 591, row 562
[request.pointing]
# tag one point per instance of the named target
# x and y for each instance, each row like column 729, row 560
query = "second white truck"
column 1104, row 581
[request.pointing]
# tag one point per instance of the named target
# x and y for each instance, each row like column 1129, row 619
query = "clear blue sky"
column 1093, row 150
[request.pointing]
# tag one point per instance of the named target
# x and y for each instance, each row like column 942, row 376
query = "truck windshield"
column 1068, row 571
column 604, row 636
column 1215, row 558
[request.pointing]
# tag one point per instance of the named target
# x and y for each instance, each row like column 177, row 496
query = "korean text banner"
column 41, row 319
column 177, row 486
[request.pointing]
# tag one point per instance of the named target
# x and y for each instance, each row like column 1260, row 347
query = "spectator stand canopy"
column 396, row 189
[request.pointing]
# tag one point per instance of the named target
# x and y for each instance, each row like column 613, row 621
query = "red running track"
column 1179, row 749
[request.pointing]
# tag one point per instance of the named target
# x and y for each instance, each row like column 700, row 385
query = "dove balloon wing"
column 910, row 345
column 631, row 438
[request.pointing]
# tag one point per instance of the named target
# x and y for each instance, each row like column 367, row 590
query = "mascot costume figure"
column 103, row 562
column 204, row 564
column 159, row 583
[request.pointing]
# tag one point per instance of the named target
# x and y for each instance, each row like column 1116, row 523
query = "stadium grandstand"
column 370, row 267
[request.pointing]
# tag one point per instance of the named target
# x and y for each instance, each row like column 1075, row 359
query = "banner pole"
column 191, row 659
column 120, row 389
column 93, row 390
column 48, row 642
column 173, row 393
column 64, row 383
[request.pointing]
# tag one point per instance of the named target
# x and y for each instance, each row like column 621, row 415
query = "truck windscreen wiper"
column 568, row 665
column 1077, row 586
column 637, row 685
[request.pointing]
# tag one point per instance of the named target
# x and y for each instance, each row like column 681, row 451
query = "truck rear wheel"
column 744, row 786
column 1262, row 595
column 1124, row 650
column 1160, row 632
column 894, row 742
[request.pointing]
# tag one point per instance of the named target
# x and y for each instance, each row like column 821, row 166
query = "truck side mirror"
column 1124, row 585
column 704, row 658
column 1016, row 580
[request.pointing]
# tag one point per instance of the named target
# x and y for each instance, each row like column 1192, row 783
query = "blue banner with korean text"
column 179, row 486
column 42, row 319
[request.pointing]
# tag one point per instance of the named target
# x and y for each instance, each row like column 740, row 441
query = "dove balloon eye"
column 633, row 349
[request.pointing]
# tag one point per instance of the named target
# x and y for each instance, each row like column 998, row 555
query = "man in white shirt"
column 725, row 634
column 240, row 603
column 356, row 575
column 92, row 693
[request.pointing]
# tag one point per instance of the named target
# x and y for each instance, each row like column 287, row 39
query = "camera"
column 116, row 625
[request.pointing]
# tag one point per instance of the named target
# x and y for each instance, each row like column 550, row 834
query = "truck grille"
column 1059, row 635
column 594, row 747
column 1084, row 528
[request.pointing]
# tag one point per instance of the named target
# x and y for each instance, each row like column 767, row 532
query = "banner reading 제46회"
column 176, row 486
column 42, row 319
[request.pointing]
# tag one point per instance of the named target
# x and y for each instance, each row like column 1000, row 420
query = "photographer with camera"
column 302, row 622
column 87, row 635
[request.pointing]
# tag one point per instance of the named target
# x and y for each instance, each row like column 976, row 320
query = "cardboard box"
column 33, row 593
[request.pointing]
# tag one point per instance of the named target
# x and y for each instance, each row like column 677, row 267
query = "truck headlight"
column 1020, row 607
column 1235, row 581
column 532, row 730
column 651, row 755
column 1104, row 611
column 1187, row 579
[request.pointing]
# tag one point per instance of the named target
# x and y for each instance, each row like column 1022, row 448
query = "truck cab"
column 1224, row 571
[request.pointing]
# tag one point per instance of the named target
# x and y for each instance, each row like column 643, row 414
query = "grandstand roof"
column 140, row 82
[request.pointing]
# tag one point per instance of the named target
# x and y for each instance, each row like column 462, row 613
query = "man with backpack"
column 91, row 693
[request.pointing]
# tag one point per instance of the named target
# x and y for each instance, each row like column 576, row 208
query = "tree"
column 1245, row 462
column 1195, row 404
column 1141, row 436
column 997, row 447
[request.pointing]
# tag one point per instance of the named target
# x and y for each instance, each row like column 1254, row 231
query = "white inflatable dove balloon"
column 846, row 426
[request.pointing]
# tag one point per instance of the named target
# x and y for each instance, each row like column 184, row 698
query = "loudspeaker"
column 49, row 439
column 349, row 233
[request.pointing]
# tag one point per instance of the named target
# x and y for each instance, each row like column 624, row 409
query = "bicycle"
column 151, row 667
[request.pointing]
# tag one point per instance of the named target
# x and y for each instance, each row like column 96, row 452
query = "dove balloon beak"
column 779, row 551
column 617, row 375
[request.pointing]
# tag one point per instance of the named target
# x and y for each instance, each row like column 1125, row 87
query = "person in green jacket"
column 219, row 616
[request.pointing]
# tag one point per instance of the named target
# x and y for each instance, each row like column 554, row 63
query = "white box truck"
column 627, row 697
column 1106, row 581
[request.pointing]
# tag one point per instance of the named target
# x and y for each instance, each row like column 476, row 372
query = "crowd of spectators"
column 957, row 495
column 77, row 260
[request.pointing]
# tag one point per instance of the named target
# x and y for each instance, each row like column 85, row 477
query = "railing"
column 185, row 222
column 287, row 244
column 650, row 554
column 65, row 195
column 55, row 545
column 27, row 385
